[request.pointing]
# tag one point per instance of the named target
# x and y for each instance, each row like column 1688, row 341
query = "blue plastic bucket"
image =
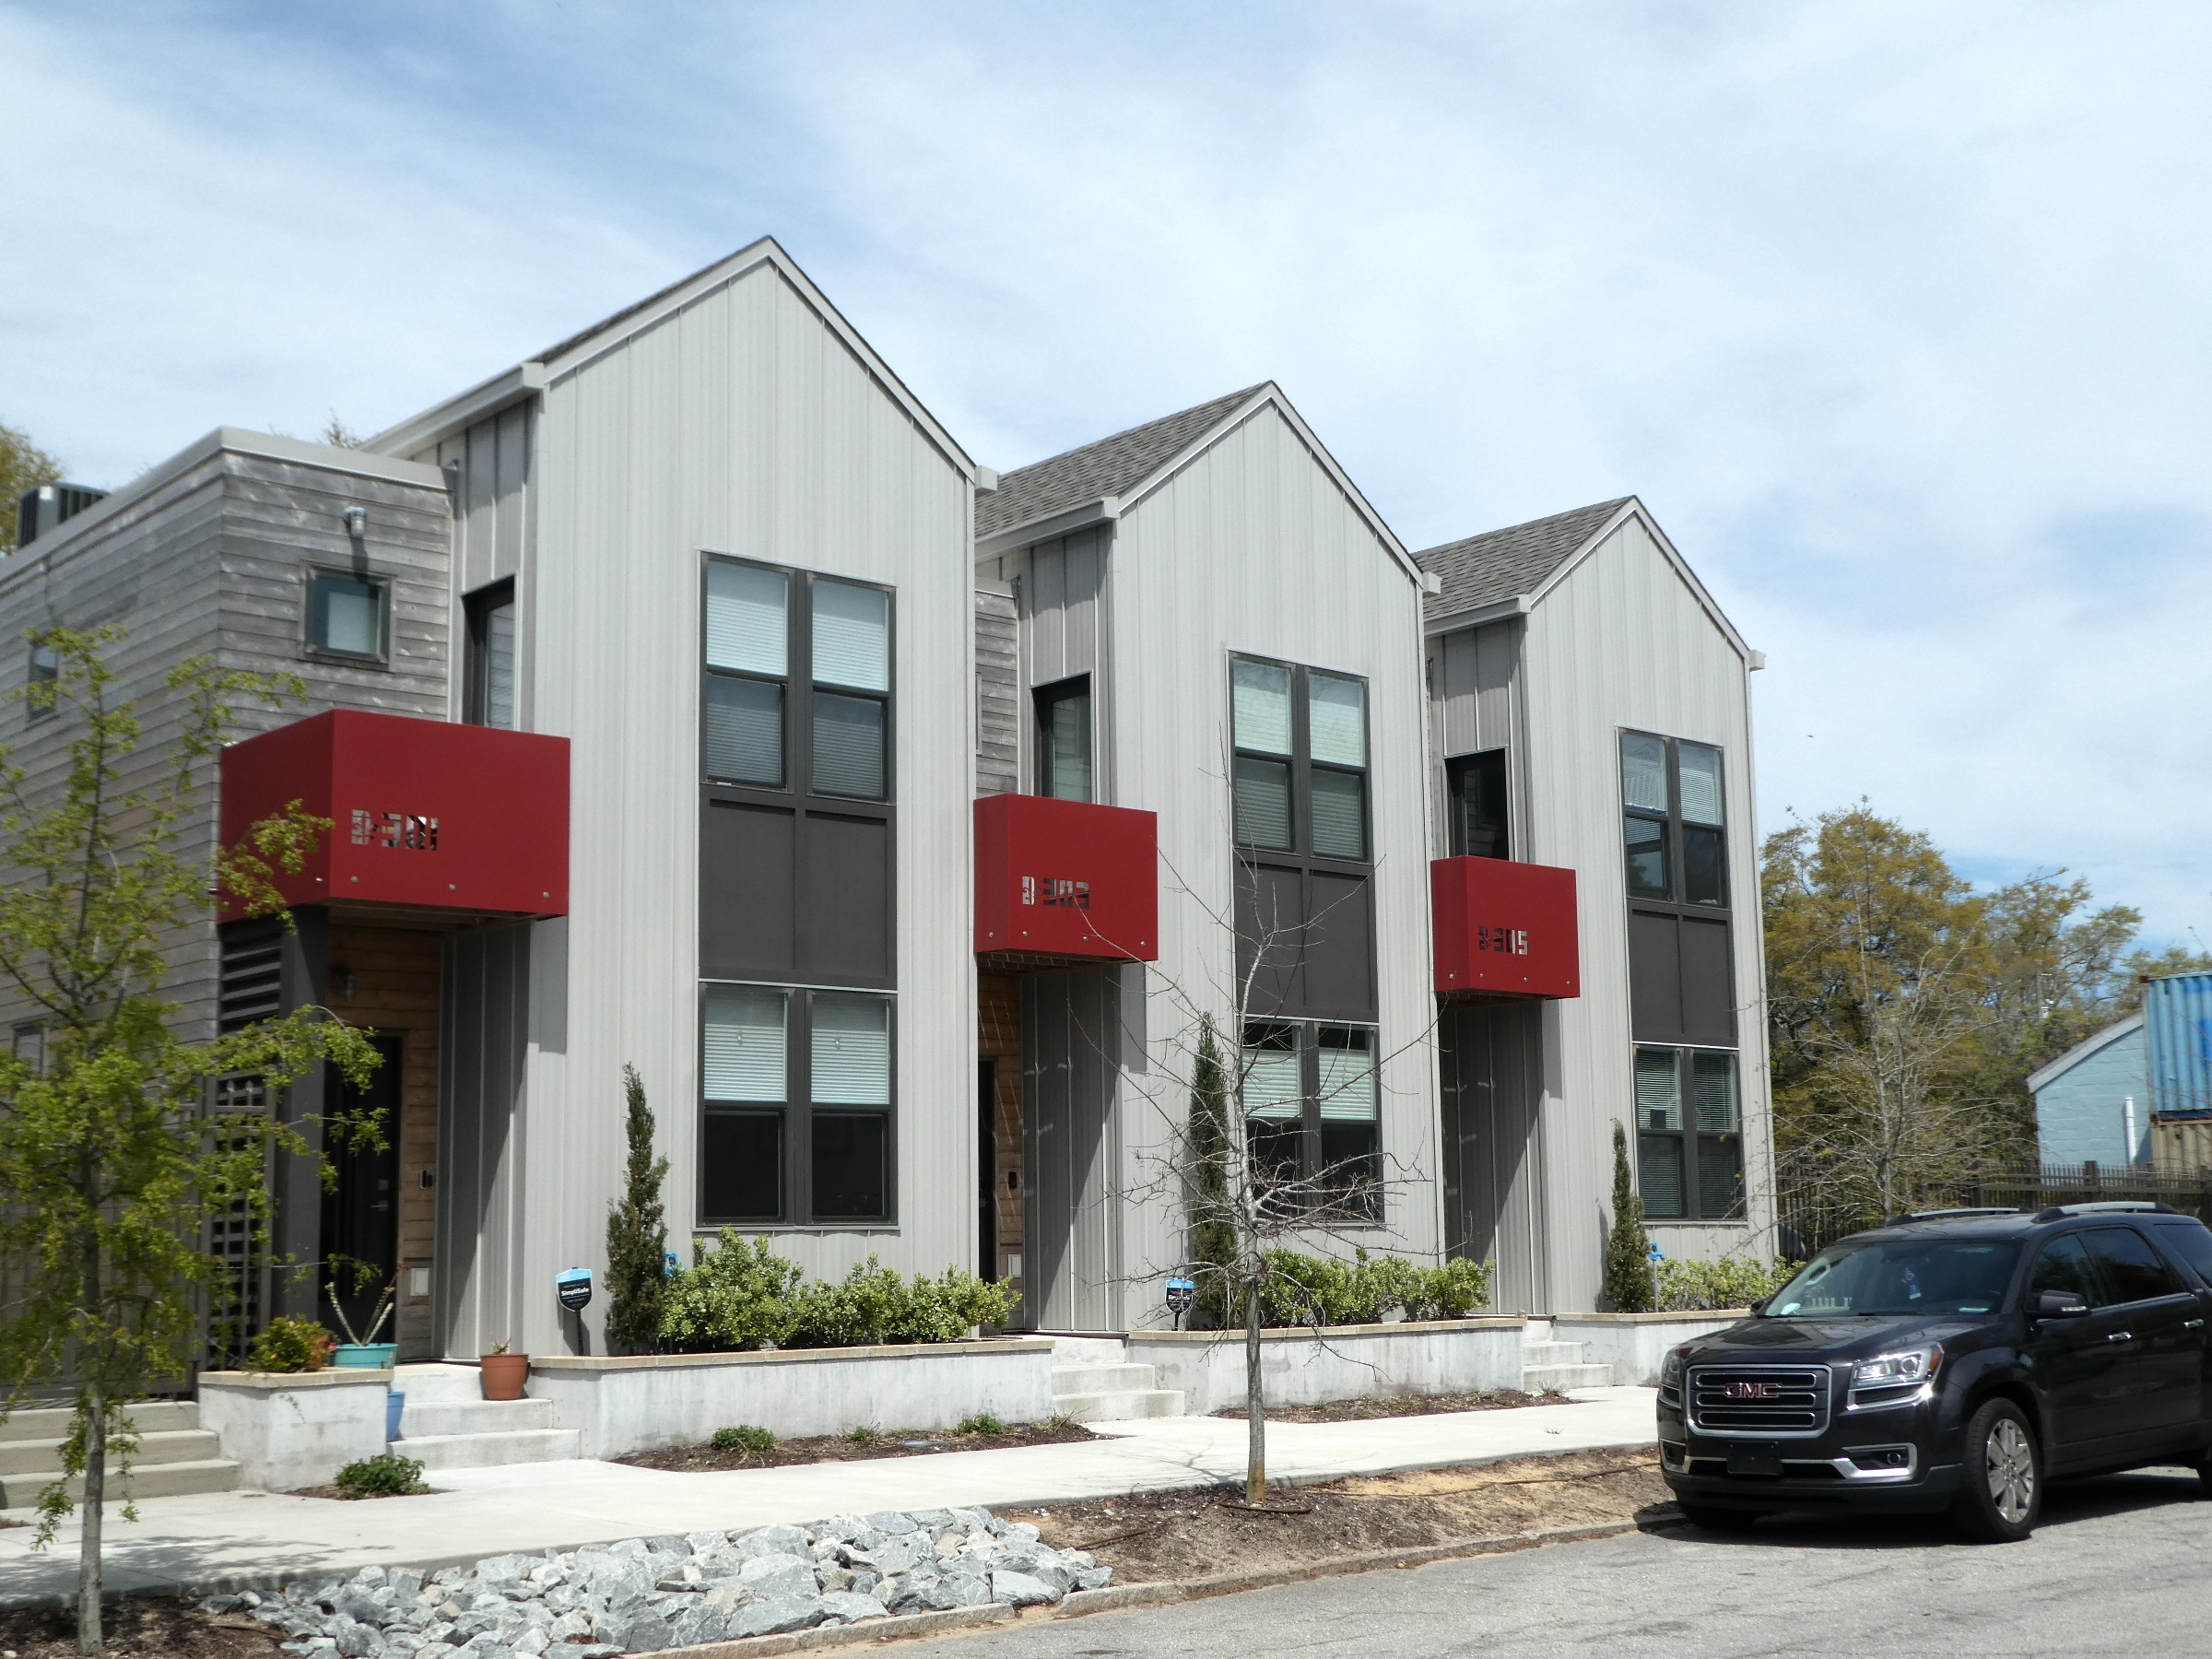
column 394, row 1404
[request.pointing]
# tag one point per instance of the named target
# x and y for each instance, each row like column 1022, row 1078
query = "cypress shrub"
column 637, row 1236
column 1627, row 1247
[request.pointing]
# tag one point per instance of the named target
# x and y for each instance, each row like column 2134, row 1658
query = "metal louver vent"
column 253, row 973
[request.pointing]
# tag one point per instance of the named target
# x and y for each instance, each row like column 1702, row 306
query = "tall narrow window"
column 347, row 614
column 1063, row 740
column 746, row 1081
column 1313, row 1116
column 1478, row 789
column 749, row 658
column 852, row 654
column 488, row 695
column 1337, row 735
column 1674, row 818
column 44, row 674
column 1260, row 712
column 851, row 1173
column 1690, row 1150
column 1300, row 767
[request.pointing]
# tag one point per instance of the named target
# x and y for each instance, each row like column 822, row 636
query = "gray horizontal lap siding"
column 997, row 696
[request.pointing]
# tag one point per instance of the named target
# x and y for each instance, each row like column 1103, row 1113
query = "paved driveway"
column 2119, row 1567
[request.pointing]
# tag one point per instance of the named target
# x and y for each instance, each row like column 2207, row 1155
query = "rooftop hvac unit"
column 43, row 508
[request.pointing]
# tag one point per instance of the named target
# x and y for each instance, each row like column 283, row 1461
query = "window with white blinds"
column 743, row 1044
column 1689, row 1155
column 1273, row 1075
column 1299, row 772
column 748, row 626
column 851, row 635
column 852, row 1050
column 1313, row 1114
column 1347, row 1092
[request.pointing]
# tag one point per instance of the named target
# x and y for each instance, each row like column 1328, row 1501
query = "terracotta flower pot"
column 504, row 1375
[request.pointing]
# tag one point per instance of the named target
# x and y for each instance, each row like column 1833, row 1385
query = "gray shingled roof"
column 1498, row 564
column 1112, row 467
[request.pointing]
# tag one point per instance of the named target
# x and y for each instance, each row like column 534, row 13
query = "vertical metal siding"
column 741, row 424
column 1623, row 642
column 1252, row 548
column 1071, row 1132
column 2177, row 1011
column 480, row 1285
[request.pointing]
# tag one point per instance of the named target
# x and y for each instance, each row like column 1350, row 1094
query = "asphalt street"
column 2119, row 1566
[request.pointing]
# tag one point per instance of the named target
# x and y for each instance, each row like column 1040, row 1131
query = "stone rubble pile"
column 645, row 1595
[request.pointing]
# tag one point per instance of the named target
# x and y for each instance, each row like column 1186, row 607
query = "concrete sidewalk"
column 225, row 1540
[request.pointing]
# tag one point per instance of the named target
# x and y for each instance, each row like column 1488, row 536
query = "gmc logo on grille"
column 1750, row 1391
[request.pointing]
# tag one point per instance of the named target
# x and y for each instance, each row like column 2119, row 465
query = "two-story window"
column 796, row 898
column 1312, row 1115
column 1681, row 978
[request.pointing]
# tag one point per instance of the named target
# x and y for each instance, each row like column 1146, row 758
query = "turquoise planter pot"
column 369, row 1355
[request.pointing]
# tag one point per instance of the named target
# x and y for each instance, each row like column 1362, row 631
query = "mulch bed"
column 142, row 1627
column 1354, row 1411
column 839, row 1448
column 1196, row 1533
column 345, row 1497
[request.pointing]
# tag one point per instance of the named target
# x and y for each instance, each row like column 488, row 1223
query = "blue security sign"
column 574, row 1288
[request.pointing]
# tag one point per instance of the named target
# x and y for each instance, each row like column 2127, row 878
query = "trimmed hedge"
column 1321, row 1290
column 742, row 1295
column 1700, row 1287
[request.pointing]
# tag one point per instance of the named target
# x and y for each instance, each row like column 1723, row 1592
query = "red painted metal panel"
column 1066, row 878
column 423, row 812
column 1505, row 927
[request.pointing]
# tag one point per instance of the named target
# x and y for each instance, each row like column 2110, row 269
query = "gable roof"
column 1500, row 564
column 2088, row 1048
column 1111, row 466
column 530, row 378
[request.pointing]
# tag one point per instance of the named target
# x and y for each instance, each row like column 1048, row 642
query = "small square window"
column 345, row 614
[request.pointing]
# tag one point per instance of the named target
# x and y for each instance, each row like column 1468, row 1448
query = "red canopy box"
column 423, row 812
column 1504, row 927
column 1066, row 878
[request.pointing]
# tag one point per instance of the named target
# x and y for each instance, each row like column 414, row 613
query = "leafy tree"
column 1627, row 1246
column 112, row 1168
column 23, row 467
column 637, row 1235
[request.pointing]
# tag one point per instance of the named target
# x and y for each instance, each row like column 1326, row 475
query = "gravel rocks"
column 643, row 1595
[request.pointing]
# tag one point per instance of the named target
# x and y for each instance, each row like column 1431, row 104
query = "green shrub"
column 1734, row 1282
column 1627, row 1246
column 862, row 1435
column 1450, row 1290
column 745, row 1437
column 290, row 1345
column 742, row 1295
column 1321, row 1290
column 983, row 1422
column 637, row 1233
column 387, row 1474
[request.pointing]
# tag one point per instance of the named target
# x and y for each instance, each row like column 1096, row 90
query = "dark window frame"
column 478, row 609
column 797, row 1115
column 1690, row 1139
column 799, row 689
column 43, row 667
column 1675, row 829
column 1370, row 1209
column 1461, row 771
column 382, row 583
column 1043, row 702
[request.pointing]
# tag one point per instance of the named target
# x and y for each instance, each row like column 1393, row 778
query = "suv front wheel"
column 2003, row 1494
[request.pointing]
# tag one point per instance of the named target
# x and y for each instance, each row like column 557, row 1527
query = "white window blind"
column 1348, row 1077
column 1271, row 1084
column 746, row 611
column 1336, row 718
column 1643, row 772
column 852, row 1050
column 499, row 666
column 1261, row 696
column 852, row 636
column 1701, row 783
column 1658, row 1089
column 743, row 1044
column 1712, row 1089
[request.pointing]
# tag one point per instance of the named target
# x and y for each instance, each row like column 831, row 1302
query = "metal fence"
column 1820, row 1217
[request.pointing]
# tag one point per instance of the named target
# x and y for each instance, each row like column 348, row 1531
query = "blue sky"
column 1896, row 315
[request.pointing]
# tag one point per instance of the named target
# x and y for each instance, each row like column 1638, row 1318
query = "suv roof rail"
column 2141, row 1207
column 1948, row 1214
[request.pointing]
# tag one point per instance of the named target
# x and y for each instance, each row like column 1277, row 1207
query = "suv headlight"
column 1890, row 1371
column 1670, row 1370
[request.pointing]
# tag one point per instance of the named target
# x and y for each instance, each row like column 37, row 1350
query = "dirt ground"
column 1355, row 1411
column 141, row 1627
column 838, row 1448
column 1191, row 1534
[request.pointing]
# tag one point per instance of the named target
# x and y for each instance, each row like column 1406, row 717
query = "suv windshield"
column 1889, row 1276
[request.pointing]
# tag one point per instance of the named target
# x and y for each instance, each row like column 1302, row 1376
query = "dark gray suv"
column 1952, row 1361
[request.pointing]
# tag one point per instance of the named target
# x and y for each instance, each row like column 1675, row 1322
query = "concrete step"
column 1103, row 1379
column 490, row 1451
column 1121, row 1403
column 1552, row 1353
column 51, row 1423
column 168, row 1446
column 1087, row 1351
column 441, row 1384
column 440, row 1418
column 151, row 1480
column 1537, row 1378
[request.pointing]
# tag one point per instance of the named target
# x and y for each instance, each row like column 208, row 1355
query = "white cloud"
column 1893, row 314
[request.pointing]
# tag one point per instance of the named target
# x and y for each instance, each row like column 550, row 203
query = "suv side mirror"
column 2059, row 1304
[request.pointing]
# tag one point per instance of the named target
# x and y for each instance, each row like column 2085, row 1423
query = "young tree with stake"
column 111, row 1164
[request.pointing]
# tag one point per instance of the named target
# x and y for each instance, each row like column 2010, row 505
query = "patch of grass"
column 983, row 1422
column 862, row 1435
column 1061, row 1421
column 387, row 1474
column 745, row 1437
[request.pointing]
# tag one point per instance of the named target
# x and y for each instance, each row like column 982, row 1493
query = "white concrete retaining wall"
column 286, row 1430
column 1634, row 1345
column 638, row 1403
column 1342, row 1362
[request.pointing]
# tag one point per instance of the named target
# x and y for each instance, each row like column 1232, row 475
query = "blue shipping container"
column 2177, row 1011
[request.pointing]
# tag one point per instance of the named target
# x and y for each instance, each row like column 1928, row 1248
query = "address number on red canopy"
column 1508, row 941
column 1050, row 890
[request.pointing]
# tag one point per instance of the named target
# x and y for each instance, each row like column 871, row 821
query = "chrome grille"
column 1758, row 1399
